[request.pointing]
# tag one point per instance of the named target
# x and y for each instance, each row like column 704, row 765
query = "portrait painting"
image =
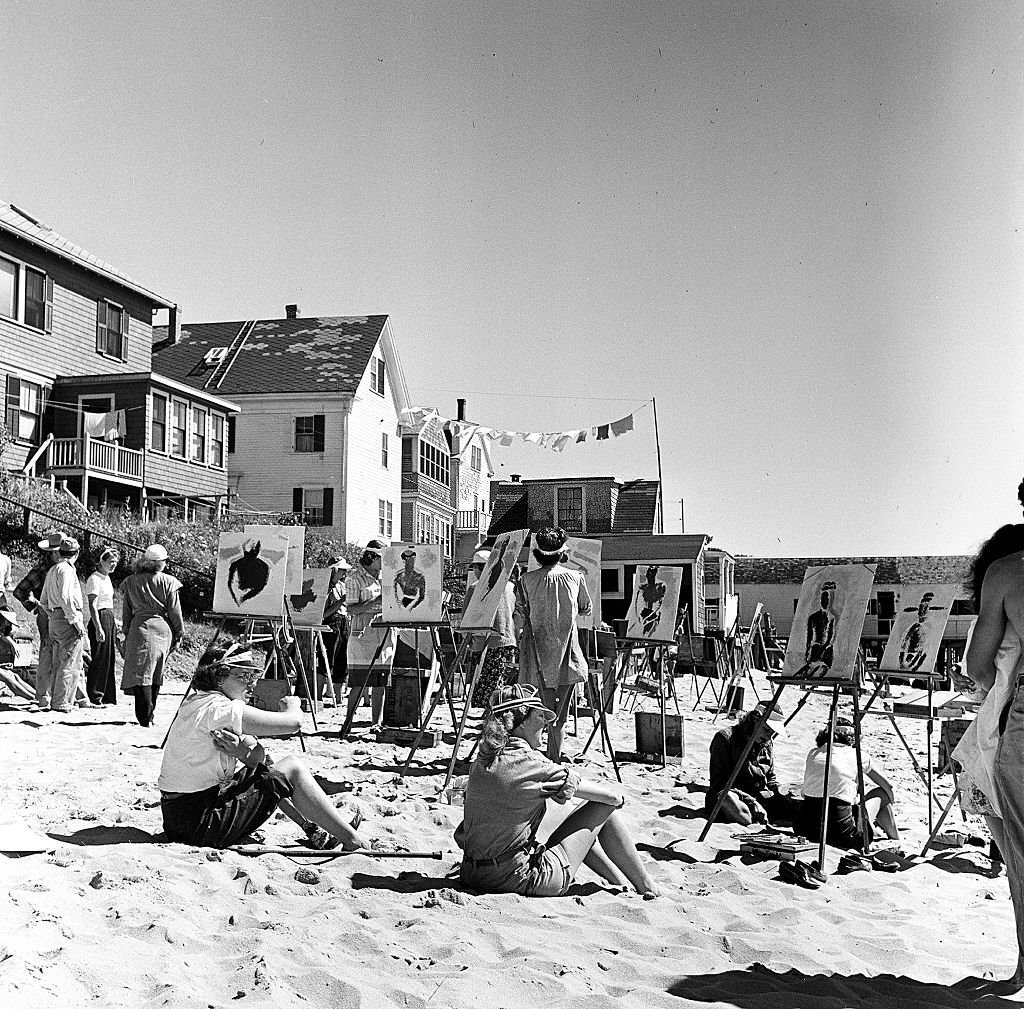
column 482, row 605
column 307, row 606
column 654, row 603
column 411, row 578
column 250, row 576
column 916, row 635
column 585, row 556
column 828, row 622
column 296, row 536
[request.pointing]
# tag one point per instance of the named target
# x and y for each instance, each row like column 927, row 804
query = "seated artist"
column 204, row 800
column 755, row 796
column 845, row 829
column 9, row 656
column 506, row 796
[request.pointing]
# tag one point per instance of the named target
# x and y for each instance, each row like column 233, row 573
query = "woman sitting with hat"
column 203, row 798
column 847, row 826
column 506, row 797
column 152, row 621
column 8, row 656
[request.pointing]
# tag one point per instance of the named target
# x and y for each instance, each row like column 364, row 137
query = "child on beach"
column 506, row 797
column 204, row 800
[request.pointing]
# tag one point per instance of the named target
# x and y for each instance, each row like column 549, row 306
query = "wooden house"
column 82, row 404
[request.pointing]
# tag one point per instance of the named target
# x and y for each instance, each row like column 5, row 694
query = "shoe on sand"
column 801, row 874
column 853, row 863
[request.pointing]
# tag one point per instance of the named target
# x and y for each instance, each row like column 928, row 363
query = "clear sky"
column 797, row 225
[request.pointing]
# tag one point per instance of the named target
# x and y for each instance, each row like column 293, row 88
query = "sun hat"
column 375, row 546
column 69, row 547
column 155, row 552
column 549, row 542
column 518, row 695
column 481, row 557
column 109, row 552
column 10, row 616
column 337, row 561
column 52, row 542
column 776, row 719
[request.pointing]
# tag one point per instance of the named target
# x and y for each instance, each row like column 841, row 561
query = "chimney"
column 515, row 477
column 461, row 410
column 291, row 311
column 173, row 325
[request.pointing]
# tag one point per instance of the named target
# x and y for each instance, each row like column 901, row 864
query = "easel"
column 323, row 693
column 596, row 685
column 742, row 671
column 665, row 683
column 435, row 641
column 781, row 682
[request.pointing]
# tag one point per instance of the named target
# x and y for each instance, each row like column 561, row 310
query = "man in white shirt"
column 62, row 599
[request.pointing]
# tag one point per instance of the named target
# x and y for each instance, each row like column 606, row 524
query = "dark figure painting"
column 821, row 632
column 301, row 601
column 248, row 575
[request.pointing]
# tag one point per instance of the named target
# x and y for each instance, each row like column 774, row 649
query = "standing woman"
column 153, row 627
column 99, row 595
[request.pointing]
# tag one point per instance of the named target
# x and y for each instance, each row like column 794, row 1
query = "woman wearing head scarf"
column 506, row 797
column 100, row 682
column 153, row 627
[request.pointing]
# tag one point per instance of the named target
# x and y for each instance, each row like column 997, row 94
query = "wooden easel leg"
column 928, row 732
column 828, row 771
column 346, row 727
column 470, row 689
column 862, row 813
column 766, row 711
column 664, row 713
column 300, row 665
column 942, row 819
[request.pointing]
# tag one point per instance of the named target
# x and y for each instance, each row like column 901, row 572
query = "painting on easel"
column 482, row 605
column 411, row 577
column 916, row 635
column 585, row 556
column 655, row 604
column 250, row 575
column 828, row 622
column 296, row 536
column 308, row 605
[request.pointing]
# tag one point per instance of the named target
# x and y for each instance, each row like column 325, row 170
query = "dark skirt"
column 99, row 677
column 842, row 830
column 501, row 668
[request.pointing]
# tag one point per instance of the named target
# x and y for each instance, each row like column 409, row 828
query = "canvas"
column 828, row 622
column 655, row 603
column 916, row 634
column 411, row 578
column 307, row 606
column 296, row 536
column 482, row 605
column 585, row 556
column 250, row 574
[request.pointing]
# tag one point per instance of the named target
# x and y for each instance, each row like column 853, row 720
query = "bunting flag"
column 556, row 441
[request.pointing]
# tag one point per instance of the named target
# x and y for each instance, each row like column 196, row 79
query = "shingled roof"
column 636, row 507
column 17, row 222
column 327, row 354
column 947, row 569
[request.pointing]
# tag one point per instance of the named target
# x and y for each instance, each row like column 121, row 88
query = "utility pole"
column 682, row 516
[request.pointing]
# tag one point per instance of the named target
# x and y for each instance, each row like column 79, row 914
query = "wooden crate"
column 648, row 733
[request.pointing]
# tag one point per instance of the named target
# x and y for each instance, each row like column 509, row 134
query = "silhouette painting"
column 655, row 603
column 411, row 576
column 308, row 605
column 250, row 578
column 482, row 604
column 584, row 556
column 296, row 536
column 916, row 635
column 828, row 622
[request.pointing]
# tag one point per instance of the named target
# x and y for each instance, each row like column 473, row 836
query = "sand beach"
column 114, row 916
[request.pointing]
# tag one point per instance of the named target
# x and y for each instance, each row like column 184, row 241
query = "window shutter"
column 48, row 299
column 297, row 500
column 125, row 317
column 328, row 506
column 231, row 434
column 101, row 327
column 318, row 432
column 13, row 406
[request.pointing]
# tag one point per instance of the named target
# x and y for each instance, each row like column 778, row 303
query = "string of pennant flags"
column 556, row 441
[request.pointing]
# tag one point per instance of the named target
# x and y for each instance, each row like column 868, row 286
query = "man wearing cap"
column 755, row 796
column 27, row 592
column 62, row 600
column 336, row 617
column 410, row 584
column 366, row 643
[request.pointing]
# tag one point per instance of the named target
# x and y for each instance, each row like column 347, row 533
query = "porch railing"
column 96, row 456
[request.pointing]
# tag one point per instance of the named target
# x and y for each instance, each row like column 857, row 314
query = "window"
column 384, row 450
column 610, row 580
column 26, row 295
column 961, row 608
column 198, row 434
column 475, row 458
column 216, row 439
column 314, row 504
column 377, row 375
column 232, row 427
column 569, row 504
column 111, row 330
column 309, row 433
column 435, row 463
column 24, row 410
column 431, row 528
column 385, row 518
column 179, row 428
column 158, row 425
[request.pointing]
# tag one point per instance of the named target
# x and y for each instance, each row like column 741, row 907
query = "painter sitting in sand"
column 508, row 789
column 204, row 800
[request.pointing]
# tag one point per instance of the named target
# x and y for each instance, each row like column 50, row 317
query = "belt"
column 478, row 862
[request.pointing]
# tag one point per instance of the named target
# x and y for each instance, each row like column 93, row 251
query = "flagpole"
column 661, row 485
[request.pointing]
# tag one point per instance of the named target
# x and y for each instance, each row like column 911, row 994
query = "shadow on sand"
column 757, row 987
column 109, row 835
